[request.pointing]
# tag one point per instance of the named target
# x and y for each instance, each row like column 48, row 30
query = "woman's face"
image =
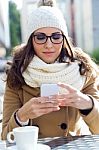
column 48, row 48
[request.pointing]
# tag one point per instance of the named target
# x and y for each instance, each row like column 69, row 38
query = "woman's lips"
column 48, row 53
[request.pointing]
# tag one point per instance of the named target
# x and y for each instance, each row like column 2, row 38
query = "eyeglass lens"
column 41, row 38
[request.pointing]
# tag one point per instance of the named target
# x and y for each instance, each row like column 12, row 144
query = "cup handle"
column 9, row 137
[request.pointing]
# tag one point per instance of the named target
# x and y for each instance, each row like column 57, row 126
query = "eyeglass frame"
column 33, row 36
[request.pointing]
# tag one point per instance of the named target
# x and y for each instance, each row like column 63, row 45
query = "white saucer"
column 39, row 147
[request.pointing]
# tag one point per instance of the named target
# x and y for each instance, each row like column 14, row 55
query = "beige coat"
column 49, row 124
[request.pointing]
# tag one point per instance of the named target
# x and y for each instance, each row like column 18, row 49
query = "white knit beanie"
column 46, row 15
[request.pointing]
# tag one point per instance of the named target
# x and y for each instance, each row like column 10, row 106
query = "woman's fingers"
column 41, row 110
column 67, row 87
column 43, row 100
column 39, row 106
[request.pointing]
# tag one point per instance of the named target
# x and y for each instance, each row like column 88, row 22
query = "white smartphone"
column 49, row 89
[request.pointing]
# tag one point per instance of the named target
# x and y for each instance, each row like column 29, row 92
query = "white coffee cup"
column 25, row 137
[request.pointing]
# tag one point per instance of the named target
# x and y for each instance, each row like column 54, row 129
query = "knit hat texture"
column 46, row 15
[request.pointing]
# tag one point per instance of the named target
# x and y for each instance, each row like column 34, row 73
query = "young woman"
column 49, row 57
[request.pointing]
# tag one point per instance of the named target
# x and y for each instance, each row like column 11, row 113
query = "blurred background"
column 82, row 18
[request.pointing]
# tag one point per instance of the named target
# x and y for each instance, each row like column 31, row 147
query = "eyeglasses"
column 41, row 38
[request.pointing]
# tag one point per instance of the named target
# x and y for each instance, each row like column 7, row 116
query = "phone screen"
column 49, row 89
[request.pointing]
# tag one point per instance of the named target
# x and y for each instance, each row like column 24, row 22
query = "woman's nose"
column 48, row 43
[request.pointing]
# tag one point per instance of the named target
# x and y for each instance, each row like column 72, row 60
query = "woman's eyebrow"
column 45, row 33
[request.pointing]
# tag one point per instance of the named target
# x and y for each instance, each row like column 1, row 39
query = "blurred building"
column 95, row 18
column 83, row 24
column 4, row 27
column 82, row 21
column 81, row 17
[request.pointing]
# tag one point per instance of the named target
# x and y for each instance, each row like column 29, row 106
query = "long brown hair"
column 24, row 54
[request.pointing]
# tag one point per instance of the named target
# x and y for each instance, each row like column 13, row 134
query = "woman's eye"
column 40, row 37
column 56, row 36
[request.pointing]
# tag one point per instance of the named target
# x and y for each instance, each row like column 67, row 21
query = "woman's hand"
column 36, row 107
column 73, row 98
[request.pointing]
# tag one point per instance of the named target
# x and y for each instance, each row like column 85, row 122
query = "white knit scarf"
column 39, row 72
